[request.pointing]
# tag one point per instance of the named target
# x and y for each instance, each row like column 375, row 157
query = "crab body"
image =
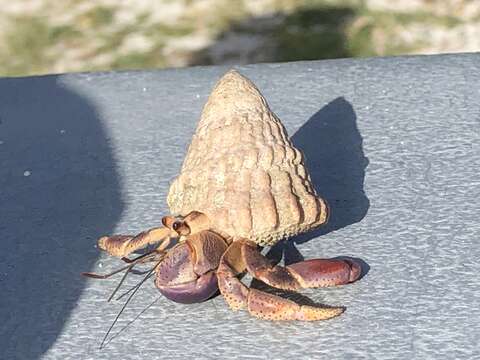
column 187, row 273
column 242, row 184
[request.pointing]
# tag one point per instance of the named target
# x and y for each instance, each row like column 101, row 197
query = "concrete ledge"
column 392, row 143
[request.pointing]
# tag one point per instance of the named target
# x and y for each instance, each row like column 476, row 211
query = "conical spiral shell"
column 242, row 170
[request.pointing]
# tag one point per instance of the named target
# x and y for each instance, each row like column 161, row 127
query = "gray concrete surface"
column 393, row 144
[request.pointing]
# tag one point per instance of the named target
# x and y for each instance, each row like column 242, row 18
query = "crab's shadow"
column 333, row 150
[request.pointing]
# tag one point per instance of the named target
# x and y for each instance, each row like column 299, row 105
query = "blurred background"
column 51, row 36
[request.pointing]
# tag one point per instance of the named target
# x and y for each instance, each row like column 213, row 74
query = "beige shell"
column 242, row 170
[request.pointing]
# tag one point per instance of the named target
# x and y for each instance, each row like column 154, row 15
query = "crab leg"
column 261, row 304
column 305, row 274
column 122, row 245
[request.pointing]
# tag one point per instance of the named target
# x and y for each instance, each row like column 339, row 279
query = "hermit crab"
column 242, row 185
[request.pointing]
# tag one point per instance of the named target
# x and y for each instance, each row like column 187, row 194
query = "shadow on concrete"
column 308, row 33
column 59, row 190
column 334, row 156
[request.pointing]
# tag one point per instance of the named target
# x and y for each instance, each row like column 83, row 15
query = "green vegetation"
column 313, row 33
column 99, row 16
column 131, row 61
column 27, row 44
column 103, row 37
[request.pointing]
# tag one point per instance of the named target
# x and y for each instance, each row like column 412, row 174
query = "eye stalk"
column 168, row 221
column 181, row 228
column 177, row 224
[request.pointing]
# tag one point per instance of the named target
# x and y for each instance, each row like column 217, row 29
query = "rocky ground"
column 49, row 36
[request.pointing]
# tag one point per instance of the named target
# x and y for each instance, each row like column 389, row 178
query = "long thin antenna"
column 105, row 276
column 120, row 283
column 132, row 321
column 128, row 261
column 127, row 292
column 126, row 303
column 140, row 259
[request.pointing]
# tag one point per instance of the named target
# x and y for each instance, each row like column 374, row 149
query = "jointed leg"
column 259, row 303
column 305, row 274
column 122, row 245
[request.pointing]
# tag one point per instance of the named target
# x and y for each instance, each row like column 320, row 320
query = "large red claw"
column 325, row 272
column 192, row 292
column 271, row 307
column 268, row 306
column 304, row 274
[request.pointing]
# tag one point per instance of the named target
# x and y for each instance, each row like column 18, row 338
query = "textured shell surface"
column 243, row 172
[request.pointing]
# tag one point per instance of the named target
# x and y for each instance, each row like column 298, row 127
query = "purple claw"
column 192, row 292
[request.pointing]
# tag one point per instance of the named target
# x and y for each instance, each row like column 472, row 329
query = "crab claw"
column 187, row 272
column 244, row 255
column 194, row 291
column 305, row 274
